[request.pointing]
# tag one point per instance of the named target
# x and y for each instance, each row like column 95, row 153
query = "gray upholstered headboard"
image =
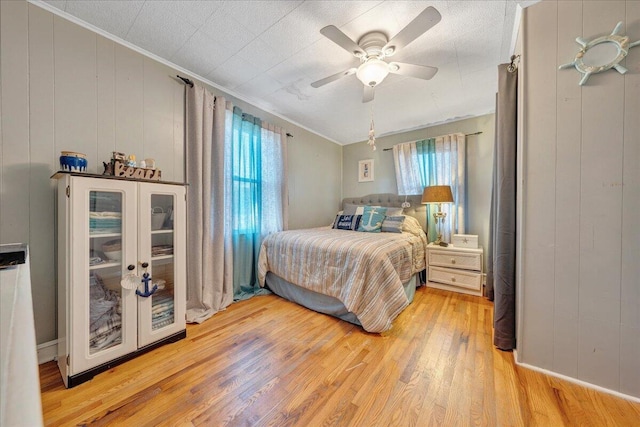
column 416, row 210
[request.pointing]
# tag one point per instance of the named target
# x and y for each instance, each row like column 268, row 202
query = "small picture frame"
column 365, row 170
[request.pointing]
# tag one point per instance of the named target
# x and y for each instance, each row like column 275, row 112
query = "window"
column 435, row 161
column 246, row 174
column 256, row 191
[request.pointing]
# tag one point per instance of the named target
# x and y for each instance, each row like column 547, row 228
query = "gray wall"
column 66, row 88
column 580, row 290
column 479, row 167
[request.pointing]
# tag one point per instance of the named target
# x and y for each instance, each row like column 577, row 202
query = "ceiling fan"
column 372, row 49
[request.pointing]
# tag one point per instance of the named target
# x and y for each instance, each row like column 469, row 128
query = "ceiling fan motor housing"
column 372, row 43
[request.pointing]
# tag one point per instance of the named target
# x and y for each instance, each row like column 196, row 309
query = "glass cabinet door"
column 105, row 270
column 104, row 309
column 161, row 295
column 162, row 243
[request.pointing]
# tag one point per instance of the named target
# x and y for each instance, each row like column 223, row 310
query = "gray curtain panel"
column 501, row 252
column 209, row 262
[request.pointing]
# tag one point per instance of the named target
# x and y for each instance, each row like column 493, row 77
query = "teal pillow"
column 372, row 219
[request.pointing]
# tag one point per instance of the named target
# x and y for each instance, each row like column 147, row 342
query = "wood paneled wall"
column 580, row 290
column 67, row 88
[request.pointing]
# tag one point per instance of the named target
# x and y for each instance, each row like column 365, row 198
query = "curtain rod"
column 513, row 65
column 185, row 80
column 466, row 134
column 190, row 83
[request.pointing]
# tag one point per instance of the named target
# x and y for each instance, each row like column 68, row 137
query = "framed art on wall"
column 365, row 170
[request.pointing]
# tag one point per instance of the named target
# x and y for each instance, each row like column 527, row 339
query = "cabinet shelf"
column 161, row 258
column 100, row 235
column 104, row 265
column 163, row 231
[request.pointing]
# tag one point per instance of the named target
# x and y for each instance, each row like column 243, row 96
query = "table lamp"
column 438, row 194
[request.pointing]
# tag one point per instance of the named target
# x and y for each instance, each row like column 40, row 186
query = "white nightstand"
column 455, row 269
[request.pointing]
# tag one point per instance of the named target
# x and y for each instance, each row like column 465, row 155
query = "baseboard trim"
column 47, row 351
column 575, row 380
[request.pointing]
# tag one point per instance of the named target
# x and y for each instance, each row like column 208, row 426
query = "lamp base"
column 439, row 218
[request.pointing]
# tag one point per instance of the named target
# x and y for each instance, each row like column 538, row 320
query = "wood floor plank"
column 267, row 361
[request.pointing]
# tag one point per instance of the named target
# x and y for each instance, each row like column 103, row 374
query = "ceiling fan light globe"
column 372, row 72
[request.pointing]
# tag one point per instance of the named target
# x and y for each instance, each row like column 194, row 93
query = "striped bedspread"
column 365, row 271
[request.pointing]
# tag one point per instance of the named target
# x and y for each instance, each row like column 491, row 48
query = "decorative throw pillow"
column 372, row 218
column 347, row 222
column 333, row 223
column 393, row 224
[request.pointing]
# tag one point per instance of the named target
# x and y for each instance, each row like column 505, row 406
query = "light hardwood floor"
column 267, row 361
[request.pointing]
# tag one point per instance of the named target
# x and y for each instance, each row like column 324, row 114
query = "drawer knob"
column 453, row 279
column 453, row 260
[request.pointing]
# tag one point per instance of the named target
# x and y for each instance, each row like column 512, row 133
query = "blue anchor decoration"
column 146, row 279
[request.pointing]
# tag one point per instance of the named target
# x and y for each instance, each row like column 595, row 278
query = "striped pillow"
column 393, row 224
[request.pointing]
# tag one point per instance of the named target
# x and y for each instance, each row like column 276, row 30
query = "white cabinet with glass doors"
column 121, row 270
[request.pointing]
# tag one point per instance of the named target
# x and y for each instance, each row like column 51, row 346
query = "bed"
column 365, row 278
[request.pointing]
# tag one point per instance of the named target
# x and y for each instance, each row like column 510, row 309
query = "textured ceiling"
column 269, row 52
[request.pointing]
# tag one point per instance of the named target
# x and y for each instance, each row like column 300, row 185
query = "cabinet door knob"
column 145, row 264
column 453, row 260
column 131, row 267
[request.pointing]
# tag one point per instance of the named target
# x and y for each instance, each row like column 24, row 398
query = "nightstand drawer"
column 467, row 261
column 458, row 278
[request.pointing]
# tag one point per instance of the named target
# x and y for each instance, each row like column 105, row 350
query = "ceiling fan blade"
column 412, row 70
column 368, row 94
column 421, row 24
column 338, row 37
column 334, row 77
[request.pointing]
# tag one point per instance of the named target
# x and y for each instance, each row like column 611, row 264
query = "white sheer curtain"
column 405, row 158
column 435, row 161
column 450, row 155
column 275, row 201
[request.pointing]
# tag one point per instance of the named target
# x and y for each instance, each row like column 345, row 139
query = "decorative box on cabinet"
column 105, row 234
column 455, row 269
